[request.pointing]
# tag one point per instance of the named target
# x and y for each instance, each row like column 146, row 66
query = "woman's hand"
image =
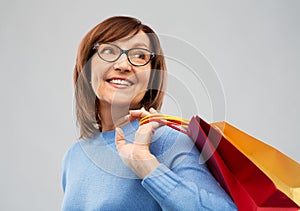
column 137, row 155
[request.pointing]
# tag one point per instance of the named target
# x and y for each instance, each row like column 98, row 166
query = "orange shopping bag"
column 282, row 170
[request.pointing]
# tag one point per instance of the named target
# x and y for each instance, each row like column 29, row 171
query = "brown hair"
column 86, row 102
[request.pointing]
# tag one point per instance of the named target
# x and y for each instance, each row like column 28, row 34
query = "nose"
column 122, row 64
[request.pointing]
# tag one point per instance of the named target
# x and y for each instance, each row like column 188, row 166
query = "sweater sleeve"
column 64, row 171
column 182, row 180
column 66, row 165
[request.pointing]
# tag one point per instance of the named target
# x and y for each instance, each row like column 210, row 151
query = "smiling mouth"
column 120, row 82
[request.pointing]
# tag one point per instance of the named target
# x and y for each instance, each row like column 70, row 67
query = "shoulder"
column 77, row 147
column 74, row 147
column 73, row 152
column 169, row 135
column 166, row 138
column 165, row 132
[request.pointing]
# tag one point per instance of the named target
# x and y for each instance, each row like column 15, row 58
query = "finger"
column 127, row 117
column 138, row 114
column 120, row 139
column 155, row 124
column 141, row 109
column 152, row 111
column 144, row 134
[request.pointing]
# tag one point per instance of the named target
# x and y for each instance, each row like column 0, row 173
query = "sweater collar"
column 129, row 129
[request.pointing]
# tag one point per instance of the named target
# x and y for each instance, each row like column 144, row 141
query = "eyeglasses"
column 111, row 53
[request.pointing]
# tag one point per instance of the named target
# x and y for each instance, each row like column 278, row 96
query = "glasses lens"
column 138, row 56
column 109, row 52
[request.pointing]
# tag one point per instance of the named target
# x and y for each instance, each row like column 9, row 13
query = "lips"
column 120, row 82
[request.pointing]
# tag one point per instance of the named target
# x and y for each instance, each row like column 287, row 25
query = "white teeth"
column 120, row 82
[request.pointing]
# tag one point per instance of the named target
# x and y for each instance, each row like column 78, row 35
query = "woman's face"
column 120, row 83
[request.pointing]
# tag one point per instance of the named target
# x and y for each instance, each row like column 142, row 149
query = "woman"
column 120, row 77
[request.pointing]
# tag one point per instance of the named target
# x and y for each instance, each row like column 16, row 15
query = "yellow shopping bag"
column 283, row 171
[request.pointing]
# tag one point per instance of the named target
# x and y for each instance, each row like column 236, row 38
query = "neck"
column 113, row 116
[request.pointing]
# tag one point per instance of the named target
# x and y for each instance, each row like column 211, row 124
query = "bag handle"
column 174, row 122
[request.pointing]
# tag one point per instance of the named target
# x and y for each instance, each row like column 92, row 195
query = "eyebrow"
column 140, row 45
column 135, row 45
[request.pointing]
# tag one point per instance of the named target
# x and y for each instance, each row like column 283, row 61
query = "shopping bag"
column 249, row 187
column 285, row 174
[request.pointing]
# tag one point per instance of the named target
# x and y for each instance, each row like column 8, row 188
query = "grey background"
column 253, row 46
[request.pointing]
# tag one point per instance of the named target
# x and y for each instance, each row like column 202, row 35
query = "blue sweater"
column 95, row 178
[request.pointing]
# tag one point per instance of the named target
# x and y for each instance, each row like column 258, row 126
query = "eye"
column 140, row 54
column 107, row 50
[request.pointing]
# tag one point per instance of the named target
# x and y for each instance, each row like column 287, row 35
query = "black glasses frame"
column 96, row 46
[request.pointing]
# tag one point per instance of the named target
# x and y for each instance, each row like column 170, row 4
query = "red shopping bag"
column 248, row 186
